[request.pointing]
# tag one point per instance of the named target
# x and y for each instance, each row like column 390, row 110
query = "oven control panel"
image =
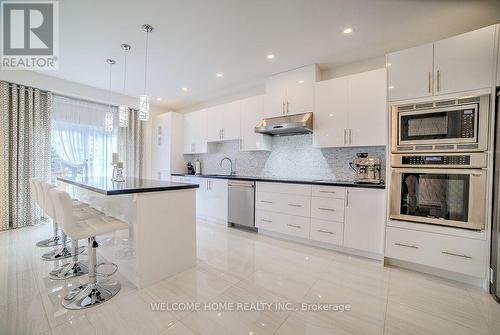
column 436, row 160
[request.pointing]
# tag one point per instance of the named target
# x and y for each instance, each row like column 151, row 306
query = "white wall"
column 72, row 89
column 352, row 68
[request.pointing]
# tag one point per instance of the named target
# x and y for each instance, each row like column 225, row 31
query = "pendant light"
column 123, row 110
column 108, row 117
column 144, row 98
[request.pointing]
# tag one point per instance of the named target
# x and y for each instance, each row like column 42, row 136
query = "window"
column 81, row 146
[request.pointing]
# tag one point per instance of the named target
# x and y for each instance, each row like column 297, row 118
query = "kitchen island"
column 161, row 239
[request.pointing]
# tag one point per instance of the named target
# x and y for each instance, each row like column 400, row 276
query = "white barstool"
column 73, row 268
column 84, row 210
column 55, row 240
column 94, row 292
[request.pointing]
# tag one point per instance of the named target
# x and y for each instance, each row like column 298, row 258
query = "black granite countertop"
column 346, row 183
column 105, row 186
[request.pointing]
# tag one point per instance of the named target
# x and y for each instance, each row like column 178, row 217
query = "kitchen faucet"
column 230, row 162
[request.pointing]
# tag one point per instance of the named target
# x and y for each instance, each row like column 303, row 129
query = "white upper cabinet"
column 214, row 124
column 351, row 111
column 166, row 146
column 330, row 113
column 231, row 121
column 465, row 62
column 368, row 109
column 290, row 92
column 252, row 111
column 410, row 73
column 224, row 122
column 457, row 64
column 195, row 132
column 498, row 53
column 365, row 219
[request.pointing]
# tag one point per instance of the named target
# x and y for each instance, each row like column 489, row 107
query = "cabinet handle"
column 287, row 110
column 293, row 226
column 326, row 209
column 350, row 135
column 456, row 255
column 347, row 198
column 429, row 88
column 332, row 192
column 283, row 108
column 294, row 205
column 264, row 220
column 266, row 201
column 406, row 245
column 325, row 232
column 438, row 80
column 222, row 133
column 345, row 136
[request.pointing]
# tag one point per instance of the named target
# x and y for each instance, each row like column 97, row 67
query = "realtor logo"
column 30, row 35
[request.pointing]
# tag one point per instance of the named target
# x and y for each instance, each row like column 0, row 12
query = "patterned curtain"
column 130, row 146
column 24, row 151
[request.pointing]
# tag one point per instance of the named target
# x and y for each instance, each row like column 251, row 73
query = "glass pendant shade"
column 123, row 116
column 144, row 107
column 108, row 122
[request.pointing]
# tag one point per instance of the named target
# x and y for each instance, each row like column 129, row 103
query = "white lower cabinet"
column 282, row 223
column 327, row 231
column 452, row 253
column 349, row 217
column 211, row 198
column 365, row 212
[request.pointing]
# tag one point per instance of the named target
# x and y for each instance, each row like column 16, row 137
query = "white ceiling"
column 195, row 39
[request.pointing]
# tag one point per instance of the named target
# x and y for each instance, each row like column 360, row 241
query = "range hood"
column 286, row 125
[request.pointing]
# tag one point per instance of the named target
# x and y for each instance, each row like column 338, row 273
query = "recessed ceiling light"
column 270, row 56
column 301, row 81
column 185, row 89
column 347, row 31
column 158, row 99
column 220, row 75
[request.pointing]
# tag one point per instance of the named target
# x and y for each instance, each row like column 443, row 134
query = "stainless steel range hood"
column 286, row 125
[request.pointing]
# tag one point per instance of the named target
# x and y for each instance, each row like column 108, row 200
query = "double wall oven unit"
column 439, row 161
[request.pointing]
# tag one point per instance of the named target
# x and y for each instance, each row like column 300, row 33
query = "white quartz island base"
column 161, row 239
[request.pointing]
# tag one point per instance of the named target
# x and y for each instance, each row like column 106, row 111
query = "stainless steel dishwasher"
column 241, row 203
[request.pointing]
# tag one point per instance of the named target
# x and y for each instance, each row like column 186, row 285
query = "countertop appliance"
column 443, row 189
column 367, row 169
column 495, row 232
column 453, row 125
column 190, row 168
column 241, row 203
column 286, row 125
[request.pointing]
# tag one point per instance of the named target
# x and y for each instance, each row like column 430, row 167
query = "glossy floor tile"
column 243, row 283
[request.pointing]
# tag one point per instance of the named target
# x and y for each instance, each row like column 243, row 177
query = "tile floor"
column 240, row 267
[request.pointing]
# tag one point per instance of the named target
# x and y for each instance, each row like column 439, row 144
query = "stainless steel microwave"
column 459, row 125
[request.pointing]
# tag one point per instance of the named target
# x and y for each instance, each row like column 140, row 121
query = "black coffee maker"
column 190, row 168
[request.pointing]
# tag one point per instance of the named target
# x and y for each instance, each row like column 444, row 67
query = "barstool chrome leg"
column 94, row 292
column 74, row 268
column 54, row 241
column 62, row 252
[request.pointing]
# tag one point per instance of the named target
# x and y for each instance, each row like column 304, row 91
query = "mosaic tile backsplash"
column 291, row 157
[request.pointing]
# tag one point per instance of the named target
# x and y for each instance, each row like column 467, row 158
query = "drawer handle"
column 326, row 209
column 332, row 192
column 326, row 232
column 456, row 255
column 406, row 245
column 293, row 226
column 264, row 220
column 294, row 205
column 267, row 202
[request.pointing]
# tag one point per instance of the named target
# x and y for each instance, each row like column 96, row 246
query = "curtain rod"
column 74, row 97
